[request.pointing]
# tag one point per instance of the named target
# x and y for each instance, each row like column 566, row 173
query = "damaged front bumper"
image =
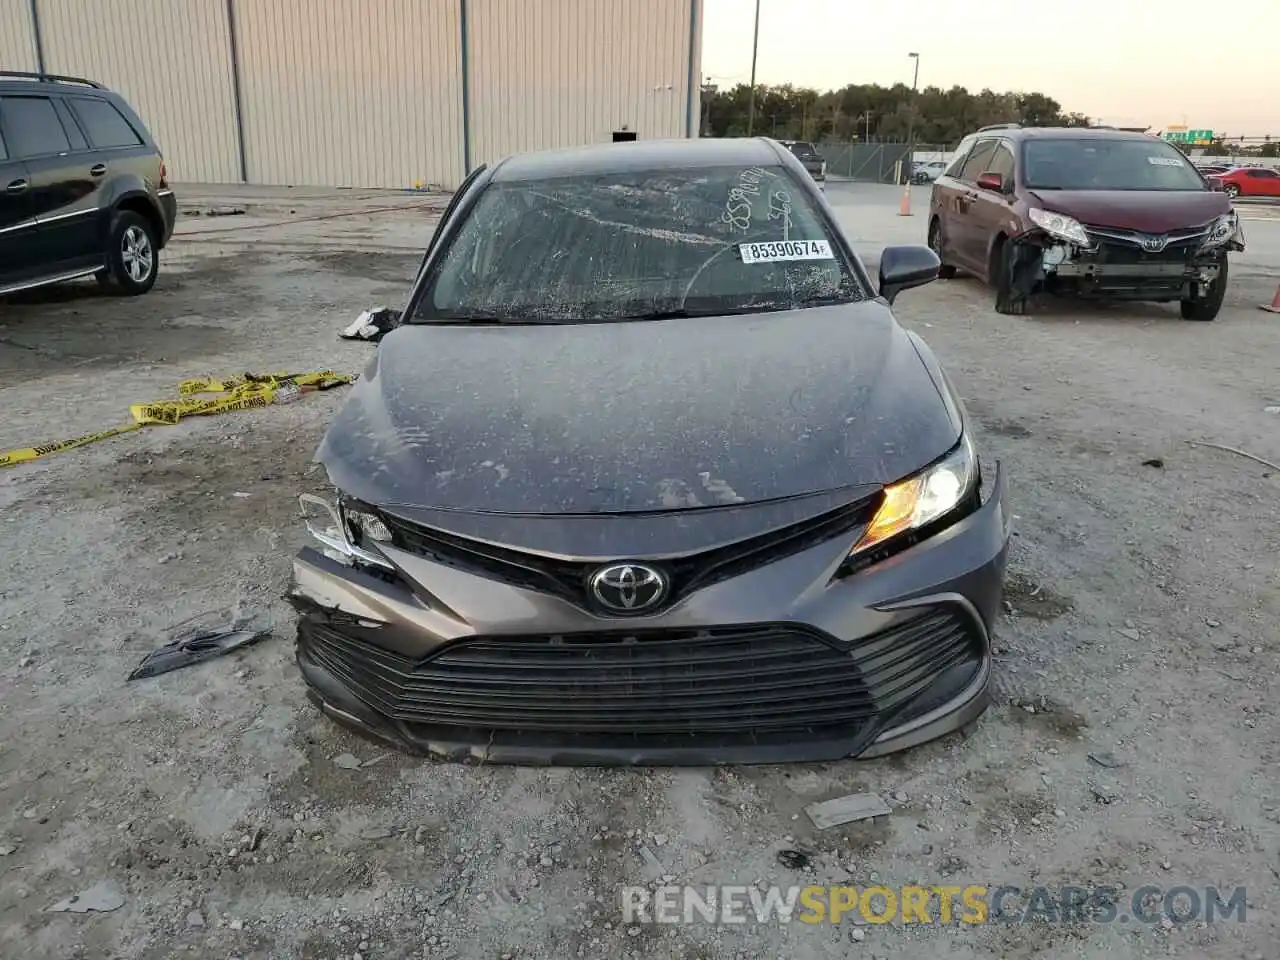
column 1124, row 264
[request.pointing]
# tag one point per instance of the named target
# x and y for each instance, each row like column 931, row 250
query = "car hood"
column 1147, row 211
column 638, row 416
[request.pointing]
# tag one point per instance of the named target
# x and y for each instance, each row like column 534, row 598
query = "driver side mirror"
column 902, row 268
column 1216, row 184
column 991, row 181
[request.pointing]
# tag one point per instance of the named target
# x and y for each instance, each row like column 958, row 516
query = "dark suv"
column 809, row 158
column 1092, row 212
column 82, row 187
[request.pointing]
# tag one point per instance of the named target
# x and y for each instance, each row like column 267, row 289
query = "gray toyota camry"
column 650, row 474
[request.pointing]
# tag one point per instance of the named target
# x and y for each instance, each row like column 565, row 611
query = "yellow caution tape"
column 198, row 398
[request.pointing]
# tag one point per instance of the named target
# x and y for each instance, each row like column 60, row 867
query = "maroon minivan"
column 1084, row 211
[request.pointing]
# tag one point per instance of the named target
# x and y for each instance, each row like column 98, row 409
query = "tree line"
column 868, row 112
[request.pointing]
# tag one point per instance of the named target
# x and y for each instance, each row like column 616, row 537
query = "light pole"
column 708, row 95
column 865, row 120
column 755, row 47
column 911, row 117
column 905, row 209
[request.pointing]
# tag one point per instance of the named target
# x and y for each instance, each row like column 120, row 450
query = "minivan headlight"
column 923, row 498
column 1222, row 231
column 1060, row 225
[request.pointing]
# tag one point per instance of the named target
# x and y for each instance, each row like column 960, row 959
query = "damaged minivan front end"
column 1087, row 212
column 1061, row 255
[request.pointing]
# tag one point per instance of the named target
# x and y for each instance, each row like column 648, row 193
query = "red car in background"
column 1250, row 182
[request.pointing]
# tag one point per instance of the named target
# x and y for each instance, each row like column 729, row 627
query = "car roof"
column 637, row 155
column 18, row 81
column 1068, row 133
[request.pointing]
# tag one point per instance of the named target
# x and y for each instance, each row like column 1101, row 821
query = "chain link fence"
column 875, row 162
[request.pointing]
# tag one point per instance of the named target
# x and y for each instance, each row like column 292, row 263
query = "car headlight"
column 1222, row 231
column 919, row 500
column 361, row 523
column 345, row 531
column 1060, row 225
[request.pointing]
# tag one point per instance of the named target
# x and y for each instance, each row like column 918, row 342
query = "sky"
column 1120, row 62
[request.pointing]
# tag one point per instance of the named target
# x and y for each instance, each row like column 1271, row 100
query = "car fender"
column 121, row 190
column 946, row 390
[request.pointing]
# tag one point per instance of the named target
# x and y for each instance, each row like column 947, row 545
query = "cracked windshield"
column 639, row 245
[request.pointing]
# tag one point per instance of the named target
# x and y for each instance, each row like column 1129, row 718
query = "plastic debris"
column 794, row 859
column 195, row 646
column 100, row 898
column 847, row 809
column 373, row 325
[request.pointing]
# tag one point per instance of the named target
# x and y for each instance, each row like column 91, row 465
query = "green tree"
column 863, row 111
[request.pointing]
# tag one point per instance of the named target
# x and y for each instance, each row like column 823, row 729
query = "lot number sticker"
column 775, row 250
column 1164, row 161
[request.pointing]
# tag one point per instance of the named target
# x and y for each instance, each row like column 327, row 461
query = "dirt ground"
column 1140, row 628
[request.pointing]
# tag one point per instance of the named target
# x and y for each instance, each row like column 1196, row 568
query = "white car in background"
column 928, row 171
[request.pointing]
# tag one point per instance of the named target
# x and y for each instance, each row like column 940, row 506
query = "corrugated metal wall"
column 17, row 36
column 694, row 114
column 352, row 93
column 170, row 59
column 369, row 93
column 555, row 73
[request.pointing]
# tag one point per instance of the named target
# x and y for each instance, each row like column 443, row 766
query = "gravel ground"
column 228, row 819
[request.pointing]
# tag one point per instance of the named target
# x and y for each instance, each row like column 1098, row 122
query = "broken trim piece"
column 195, row 647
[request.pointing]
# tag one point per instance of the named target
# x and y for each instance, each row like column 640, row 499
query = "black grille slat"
column 920, row 677
column 742, row 683
column 695, row 697
column 657, row 685
column 568, row 579
column 651, row 727
column 637, row 712
column 596, row 662
column 910, row 646
column 1115, row 246
column 637, row 674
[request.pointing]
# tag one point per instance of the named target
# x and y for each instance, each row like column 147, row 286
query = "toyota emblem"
column 628, row 587
column 1154, row 244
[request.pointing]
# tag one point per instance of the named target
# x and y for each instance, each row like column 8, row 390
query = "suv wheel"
column 1007, row 302
column 946, row 271
column 1207, row 307
column 132, row 257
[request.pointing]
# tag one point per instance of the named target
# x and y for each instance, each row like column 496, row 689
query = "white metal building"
column 371, row 93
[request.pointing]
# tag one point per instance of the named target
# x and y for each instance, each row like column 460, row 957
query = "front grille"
column 1125, row 246
column 568, row 579
column 752, row 684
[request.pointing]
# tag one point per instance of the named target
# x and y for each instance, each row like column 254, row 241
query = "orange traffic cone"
column 904, row 208
column 1274, row 305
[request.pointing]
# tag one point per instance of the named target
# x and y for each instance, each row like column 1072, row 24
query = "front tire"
column 1231, row 190
column 1206, row 309
column 946, row 271
column 133, row 257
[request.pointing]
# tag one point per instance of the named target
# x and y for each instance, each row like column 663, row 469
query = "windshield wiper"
column 482, row 320
column 673, row 313
column 825, row 299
